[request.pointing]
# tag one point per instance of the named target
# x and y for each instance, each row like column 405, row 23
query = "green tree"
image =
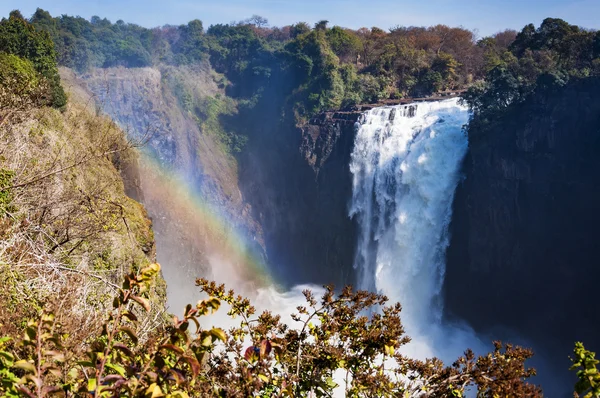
column 19, row 37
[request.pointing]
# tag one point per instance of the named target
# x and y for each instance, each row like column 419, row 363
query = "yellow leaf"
column 26, row 366
column 154, row 391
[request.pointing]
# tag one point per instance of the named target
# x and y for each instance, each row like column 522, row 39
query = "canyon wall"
column 524, row 246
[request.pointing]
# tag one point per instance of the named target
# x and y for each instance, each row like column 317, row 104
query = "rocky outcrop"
column 298, row 182
column 321, row 135
column 524, row 247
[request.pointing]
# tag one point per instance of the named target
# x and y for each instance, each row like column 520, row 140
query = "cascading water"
column 405, row 168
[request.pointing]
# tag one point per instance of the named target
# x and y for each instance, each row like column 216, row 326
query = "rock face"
column 298, row 182
column 524, row 247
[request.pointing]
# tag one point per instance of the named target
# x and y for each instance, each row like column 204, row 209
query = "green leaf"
column 91, row 384
column 7, row 355
column 117, row 368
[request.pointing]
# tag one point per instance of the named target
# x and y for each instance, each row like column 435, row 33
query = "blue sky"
column 487, row 16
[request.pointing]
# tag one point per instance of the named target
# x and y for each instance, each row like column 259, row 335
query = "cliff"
column 523, row 253
column 298, row 182
column 188, row 177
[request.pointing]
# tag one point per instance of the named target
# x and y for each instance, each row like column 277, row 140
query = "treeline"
column 323, row 67
column 537, row 62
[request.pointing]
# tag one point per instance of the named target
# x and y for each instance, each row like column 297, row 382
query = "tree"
column 258, row 21
column 321, row 25
column 345, row 43
column 20, row 38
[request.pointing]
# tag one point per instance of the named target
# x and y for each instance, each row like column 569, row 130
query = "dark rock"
column 524, row 247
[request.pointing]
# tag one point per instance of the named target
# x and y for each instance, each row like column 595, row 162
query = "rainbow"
column 198, row 226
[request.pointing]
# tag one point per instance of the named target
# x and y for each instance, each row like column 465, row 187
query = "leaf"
column 250, row 354
column 86, row 364
column 330, row 383
column 56, row 355
column 219, row 334
column 141, row 301
column 171, row 347
column 179, row 394
column 390, row 350
column 36, row 380
column 47, row 390
column 193, row 363
column 117, row 368
column 263, row 378
column 130, row 315
column 154, row 391
column 26, row 366
column 206, row 339
column 265, row 348
column 30, row 334
column 150, row 271
column 92, row 384
column 54, row 371
column 112, row 379
column 127, row 330
column 124, row 349
column 177, row 376
column 7, row 355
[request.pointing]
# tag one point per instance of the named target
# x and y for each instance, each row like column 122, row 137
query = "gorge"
column 455, row 175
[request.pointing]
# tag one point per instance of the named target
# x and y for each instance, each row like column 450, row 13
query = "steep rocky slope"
column 188, row 177
column 68, row 230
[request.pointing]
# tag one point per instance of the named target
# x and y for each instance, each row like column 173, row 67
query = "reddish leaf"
column 127, row 330
column 265, row 348
column 141, row 301
column 193, row 363
column 124, row 349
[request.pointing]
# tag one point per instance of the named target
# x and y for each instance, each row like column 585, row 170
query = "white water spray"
column 405, row 168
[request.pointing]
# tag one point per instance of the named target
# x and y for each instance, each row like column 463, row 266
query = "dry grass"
column 70, row 233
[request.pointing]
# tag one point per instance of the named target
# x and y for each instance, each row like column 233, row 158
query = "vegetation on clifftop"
column 316, row 68
column 537, row 63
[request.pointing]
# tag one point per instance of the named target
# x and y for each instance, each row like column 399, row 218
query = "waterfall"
column 405, row 168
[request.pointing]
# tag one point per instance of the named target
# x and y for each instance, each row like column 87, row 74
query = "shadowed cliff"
column 523, row 254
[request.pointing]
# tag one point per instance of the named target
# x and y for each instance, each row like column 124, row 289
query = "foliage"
column 20, row 38
column 6, row 195
column 260, row 357
column 21, row 87
column 586, row 365
column 305, row 69
column 539, row 60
